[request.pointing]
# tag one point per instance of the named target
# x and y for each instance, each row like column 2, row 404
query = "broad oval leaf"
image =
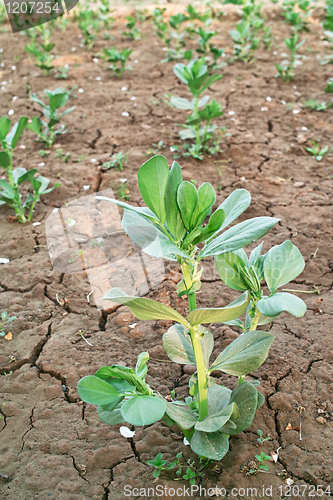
column 213, row 423
column 152, row 179
column 144, row 308
column 282, row 264
column 187, row 199
column 206, row 199
column 4, row 127
column 95, row 391
column 113, row 417
column 218, row 398
column 14, row 135
column 4, row 159
column 239, row 236
column 150, row 238
column 173, row 217
column 246, row 398
column 228, row 266
column 213, row 445
column 214, row 224
column 182, row 416
column 143, row 211
column 178, row 345
column 143, row 410
column 221, row 314
column 281, row 301
column 181, row 103
column 245, row 354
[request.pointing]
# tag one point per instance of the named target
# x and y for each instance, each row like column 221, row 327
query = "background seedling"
column 262, row 458
column 133, row 33
column 318, row 152
column 63, row 156
column 5, row 320
column 317, row 105
column 117, row 161
column 156, row 148
column 118, row 60
column 261, row 438
column 41, row 47
column 46, row 130
column 61, row 73
column 89, row 25
column 329, row 86
column 195, row 75
column 287, row 66
column 175, row 216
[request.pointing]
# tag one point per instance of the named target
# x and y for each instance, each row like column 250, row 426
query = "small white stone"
column 165, row 49
column 172, row 149
column 123, row 180
column 135, row 104
column 93, row 160
column 133, row 325
column 11, row 112
column 2, row 64
column 98, row 78
column 242, row 178
column 95, row 60
column 294, row 86
column 72, row 222
column 86, row 187
column 124, row 113
column 80, row 91
column 264, row 108
column 36, row 223
column 126, row 432
column 15, row 98
column 231, row 113
column 136, row 61
column 100, row 239
column 22, row 146
column 41, row 164
column 81, row 44
column 289, row 481
column 274, row 53
column 1, row 50
column 13, row 68
column 3, row 88
column 4, row 83
column 73, row 49
column 304, row 128
column 283, row 102
column 296, row 111
column 186, row 443
column 124, row 89
column 55, row 210
column 268, row 99
column 133, row 98
column 3, row 260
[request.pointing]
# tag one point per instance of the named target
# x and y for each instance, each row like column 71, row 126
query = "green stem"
column 10, row 168
column 196, row 115
column 201, row 371
column 32, row 208
column 192, row 302
column 255, row 321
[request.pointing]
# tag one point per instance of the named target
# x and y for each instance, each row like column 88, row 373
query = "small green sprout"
column 63, row 156
column 117, row 161
column 132, row 32
column 118, row 60
column 317, row 151
column 287, row 66
column 5, row 320
column 262, row 458
column 317, row 105
column 261, row 439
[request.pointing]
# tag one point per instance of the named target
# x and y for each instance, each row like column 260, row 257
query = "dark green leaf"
column 228, row 266
column 213, row 445
column 182, row 416
column 245, row 354
column 221, row 314
column 218, row 398
column 95, row 391
column 246, row 398
column 4, row 127
column 16, row 132
column 178, row 345
column 113, row 417
column 206, row 199
column 173, row 217
column 187, row 199
column 4, row 159
column 213, row 423
column 152, row 179
column 143, row 410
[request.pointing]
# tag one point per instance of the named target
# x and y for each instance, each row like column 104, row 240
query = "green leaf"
column 187, row 199
column 35, row 125
column 228, row 266
column 4, row 159
column 14, row 135
column 144, row 308
column 213, row 445
column 214, row 224
column 246, row 398
column 206, row 199
column 178, row 345
column 95, row 391
column 113, row 417
column 58, row 100
column 143, row 410
column 181, row 103
column 4, row 127
column 218, row 398
column 213, row 423
column 239, row 236
column 245, row 354
column 173, row 217
column 221, row 314
column 150, row 238
column 141, row 365
column 182, row 416
column 210, row 80
column 282, row 264
column 261, row 399
column 152, row 179
column 143, row 211
column 8, row 189
column 281, row 301
column 236, row 203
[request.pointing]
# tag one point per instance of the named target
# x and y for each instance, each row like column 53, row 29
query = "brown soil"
column 52, row 445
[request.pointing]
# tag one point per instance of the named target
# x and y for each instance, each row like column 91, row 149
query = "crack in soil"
column 311, row 363
column 92, row 143
column 78, row 469
column 30, row 428
column 4, row 418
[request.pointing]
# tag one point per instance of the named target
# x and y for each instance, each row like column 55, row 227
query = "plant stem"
column 196, row 115
column 201, row 370
column 32, row 208
column 192, row 302
column 255, row 321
